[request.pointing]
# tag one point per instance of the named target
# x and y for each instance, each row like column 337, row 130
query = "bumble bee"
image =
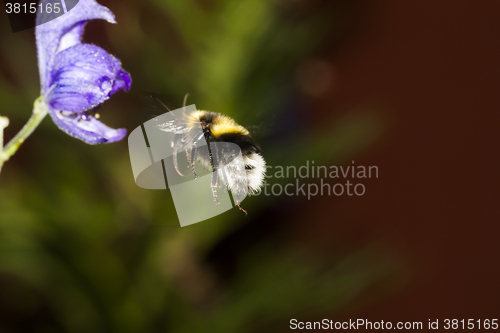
column 234, row 158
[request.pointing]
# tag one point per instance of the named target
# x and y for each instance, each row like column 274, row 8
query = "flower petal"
column 63, row 32
column 83, row 77
column 86, row 128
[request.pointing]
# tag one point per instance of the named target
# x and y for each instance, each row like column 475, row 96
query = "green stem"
column 4, row 122
column 40, row 110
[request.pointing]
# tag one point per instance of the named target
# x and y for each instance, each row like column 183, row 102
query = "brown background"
column 434, row 67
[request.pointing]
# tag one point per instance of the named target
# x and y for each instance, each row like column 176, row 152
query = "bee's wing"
column 174, row 126
column 185, row 138
column 185, row 135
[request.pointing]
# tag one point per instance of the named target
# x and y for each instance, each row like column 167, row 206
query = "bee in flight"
column 242, row 173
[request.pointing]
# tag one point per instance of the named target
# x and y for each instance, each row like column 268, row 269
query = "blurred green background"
column 83, row 249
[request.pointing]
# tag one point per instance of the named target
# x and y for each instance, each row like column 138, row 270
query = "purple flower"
column 77, row 77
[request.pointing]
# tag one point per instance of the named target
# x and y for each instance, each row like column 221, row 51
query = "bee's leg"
column 241, row 208
column 219, row 167
column 189, row 156
column 238, row 203
column 176, row 165
column 176, row 142
column 214, row 161
column 215, row 180
column 192, row 155
column 193, row 160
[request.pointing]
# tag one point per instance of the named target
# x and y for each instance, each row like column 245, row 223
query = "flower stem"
column 40, row 110
column 4, row 122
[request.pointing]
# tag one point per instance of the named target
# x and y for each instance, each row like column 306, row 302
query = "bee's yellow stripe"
column 225, row 125
column 194, row 118
column 220, row 125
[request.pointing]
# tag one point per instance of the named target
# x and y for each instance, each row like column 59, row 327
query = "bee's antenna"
column 184, row 104
column 166, row 107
